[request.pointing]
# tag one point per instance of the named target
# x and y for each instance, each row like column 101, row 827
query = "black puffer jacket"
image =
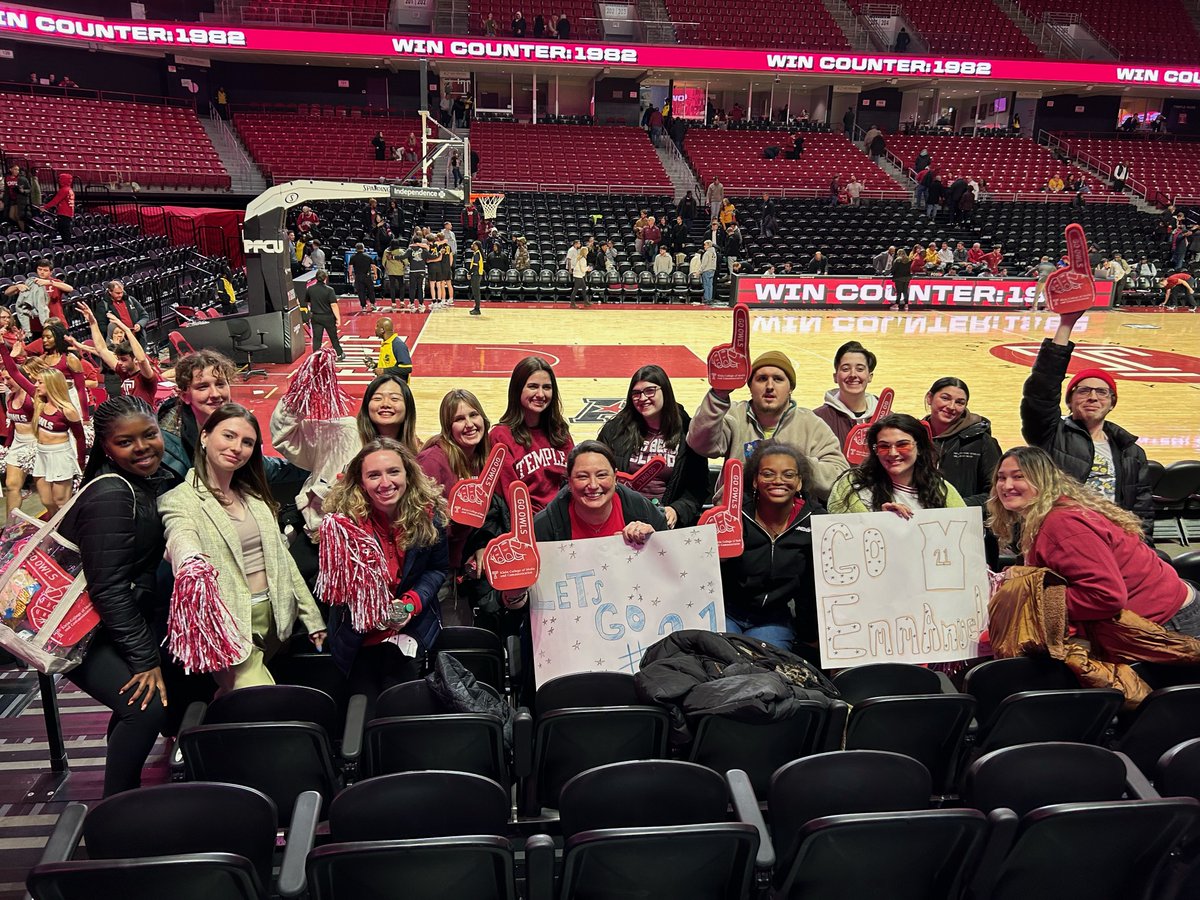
column 687, row 490
column 967, row 457
column 1068, row 441
column 121, row 543
column 759, row 584
column 554, row 522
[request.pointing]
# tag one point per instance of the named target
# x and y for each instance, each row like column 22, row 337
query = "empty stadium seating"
column 580, row 13
column 306, row 144
column 770, row 23
column 617, row 158
column 1163, row 32
column 1016, row 165
column 322, row 13
column 1172, row 167
column 104, row 140
column 973, row 27
column 737, row 158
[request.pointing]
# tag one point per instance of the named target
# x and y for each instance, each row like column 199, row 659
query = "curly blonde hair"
column 421, row 510
column 1055, row 490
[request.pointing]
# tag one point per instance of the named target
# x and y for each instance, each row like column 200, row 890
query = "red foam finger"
column 732, row 489
column 1077, row 248
column 521, row 508
column 638, row 480
column 470, row 497
column 856, row 444
column 884, row 407
column 741, row 329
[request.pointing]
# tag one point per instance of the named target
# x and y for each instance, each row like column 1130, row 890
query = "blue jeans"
column 1186, row 621
column 706, row 279
column 780, row 635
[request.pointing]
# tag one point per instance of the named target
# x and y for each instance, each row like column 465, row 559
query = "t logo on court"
column 598, row 409
column 1125, row 363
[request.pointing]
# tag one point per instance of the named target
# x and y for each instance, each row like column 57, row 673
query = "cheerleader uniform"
column 59, row 462
column 22, row 448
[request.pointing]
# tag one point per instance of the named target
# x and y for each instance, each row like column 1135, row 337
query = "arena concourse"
column 288, row 273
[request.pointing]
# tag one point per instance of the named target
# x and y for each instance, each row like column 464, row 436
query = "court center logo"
column 1125, row 363
column 598, row 410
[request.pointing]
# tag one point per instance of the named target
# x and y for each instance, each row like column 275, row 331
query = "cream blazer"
column 196, row 523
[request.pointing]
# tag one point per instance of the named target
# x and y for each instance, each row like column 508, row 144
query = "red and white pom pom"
column 201, row 631
column 353, row 572
column 315, row 392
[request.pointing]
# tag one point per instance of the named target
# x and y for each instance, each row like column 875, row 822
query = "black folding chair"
column 1028, row 776
column 931, row 729
column 409, row 805
column 1167, row 717
column 190, row 841
column 760, row 748
column 1102, row 851
column 411, row 732
column 887, row 680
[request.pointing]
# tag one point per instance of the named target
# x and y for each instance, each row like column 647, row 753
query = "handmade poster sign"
column 857, row 450
column 600, row 603
column 511, row 560
column 471, row 497
column 726, row 516
column 729, row 364
column 1072, row 289
column 891, row 590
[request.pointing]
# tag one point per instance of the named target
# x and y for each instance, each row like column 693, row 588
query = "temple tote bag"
column 46, row 616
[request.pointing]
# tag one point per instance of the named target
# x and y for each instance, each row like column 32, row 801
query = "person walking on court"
column 324, row 314
column 476, row 270
column 363, row 268
column 579, row 271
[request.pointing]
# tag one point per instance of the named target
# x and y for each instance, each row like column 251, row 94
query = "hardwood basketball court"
column 1154, row 355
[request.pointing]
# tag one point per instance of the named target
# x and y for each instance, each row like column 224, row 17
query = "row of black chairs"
column 1036, row 820
column 285, row 740
column 1176, row 492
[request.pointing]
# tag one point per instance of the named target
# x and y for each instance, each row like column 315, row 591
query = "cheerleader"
column 57, row 463
column 21, row 438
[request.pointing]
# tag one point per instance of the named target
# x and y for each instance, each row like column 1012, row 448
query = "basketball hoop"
column 489, row 203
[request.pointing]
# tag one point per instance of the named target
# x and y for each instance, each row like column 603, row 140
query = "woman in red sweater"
column 1092, row 543
column 534, row 431
column 460, row 450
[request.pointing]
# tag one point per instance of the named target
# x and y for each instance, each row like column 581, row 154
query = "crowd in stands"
column 373, row 567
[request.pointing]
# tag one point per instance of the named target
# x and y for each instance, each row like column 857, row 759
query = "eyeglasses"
column 1102, row 393
column 768, row 476
column 648, row 393
column 902, row 447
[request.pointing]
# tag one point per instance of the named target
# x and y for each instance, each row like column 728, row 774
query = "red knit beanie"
column 1094, row 373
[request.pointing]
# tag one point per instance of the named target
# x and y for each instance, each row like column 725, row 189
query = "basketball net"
column 489, row 203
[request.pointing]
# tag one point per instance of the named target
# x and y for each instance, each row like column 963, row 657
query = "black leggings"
column 378, row 668
column 132, row 731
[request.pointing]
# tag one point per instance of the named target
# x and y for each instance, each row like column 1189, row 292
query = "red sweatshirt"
column 543, row 468
column 1107, row 569
column 436, row 465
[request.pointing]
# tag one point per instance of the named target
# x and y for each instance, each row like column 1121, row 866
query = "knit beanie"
column 1093, row 373
column 778, row 360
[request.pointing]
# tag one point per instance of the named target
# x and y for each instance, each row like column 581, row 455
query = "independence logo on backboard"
column 598, row 409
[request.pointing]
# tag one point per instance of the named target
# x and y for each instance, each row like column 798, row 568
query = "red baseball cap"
column 1093, row 373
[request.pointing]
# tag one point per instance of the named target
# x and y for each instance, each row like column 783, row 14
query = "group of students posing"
column 196, row 489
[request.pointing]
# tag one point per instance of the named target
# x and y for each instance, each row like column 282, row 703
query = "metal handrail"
column 1066, row 19
column 17, row 87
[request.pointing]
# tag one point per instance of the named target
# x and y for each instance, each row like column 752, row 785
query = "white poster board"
column 895, row 590
column 599, row 604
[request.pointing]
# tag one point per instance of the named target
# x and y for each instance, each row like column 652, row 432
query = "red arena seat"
column 102, row 141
